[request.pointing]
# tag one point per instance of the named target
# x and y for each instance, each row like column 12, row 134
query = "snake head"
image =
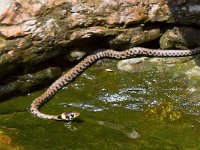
column 68, row 116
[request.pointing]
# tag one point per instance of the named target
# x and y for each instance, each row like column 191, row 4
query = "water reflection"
column 123, row 94
column 70, row 126
column 135, row 106
column 85, row 106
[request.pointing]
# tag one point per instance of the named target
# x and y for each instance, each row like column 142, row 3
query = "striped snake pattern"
column 85, row 63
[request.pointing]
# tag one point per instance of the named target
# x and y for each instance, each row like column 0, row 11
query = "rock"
column 180, row 38
column 194, row 71
column 134, row 36
column 75, row 55
column 129, row 64
column 26, row 83
column 33, row 33
column 5, row 139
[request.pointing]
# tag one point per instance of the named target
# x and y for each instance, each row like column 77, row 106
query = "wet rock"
column 28, row 82
column 4, row 139
column 194, row 71
column 128, row 64
column 75, row 55
column 181, row 38
column 32, row 33
column 163, row 92
column 164, row 110
column 131, row 133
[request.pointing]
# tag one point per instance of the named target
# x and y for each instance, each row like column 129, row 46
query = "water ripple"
column 85, row 106
column 122, row 95
column 135, row 106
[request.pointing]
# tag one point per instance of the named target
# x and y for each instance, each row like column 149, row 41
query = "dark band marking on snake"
column 85, row 63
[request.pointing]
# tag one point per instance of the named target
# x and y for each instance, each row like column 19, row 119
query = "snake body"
column 85, row 63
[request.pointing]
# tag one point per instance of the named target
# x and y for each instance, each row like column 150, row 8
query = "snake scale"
column 85, row 63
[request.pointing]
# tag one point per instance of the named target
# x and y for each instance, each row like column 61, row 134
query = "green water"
column 156, row 106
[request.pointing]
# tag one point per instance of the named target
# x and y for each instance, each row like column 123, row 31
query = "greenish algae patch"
column 165, row 110
column 148, row 108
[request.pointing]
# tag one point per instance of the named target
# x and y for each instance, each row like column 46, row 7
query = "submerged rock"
column 130, row 132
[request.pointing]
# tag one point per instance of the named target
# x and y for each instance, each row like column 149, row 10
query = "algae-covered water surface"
column 141, row 104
